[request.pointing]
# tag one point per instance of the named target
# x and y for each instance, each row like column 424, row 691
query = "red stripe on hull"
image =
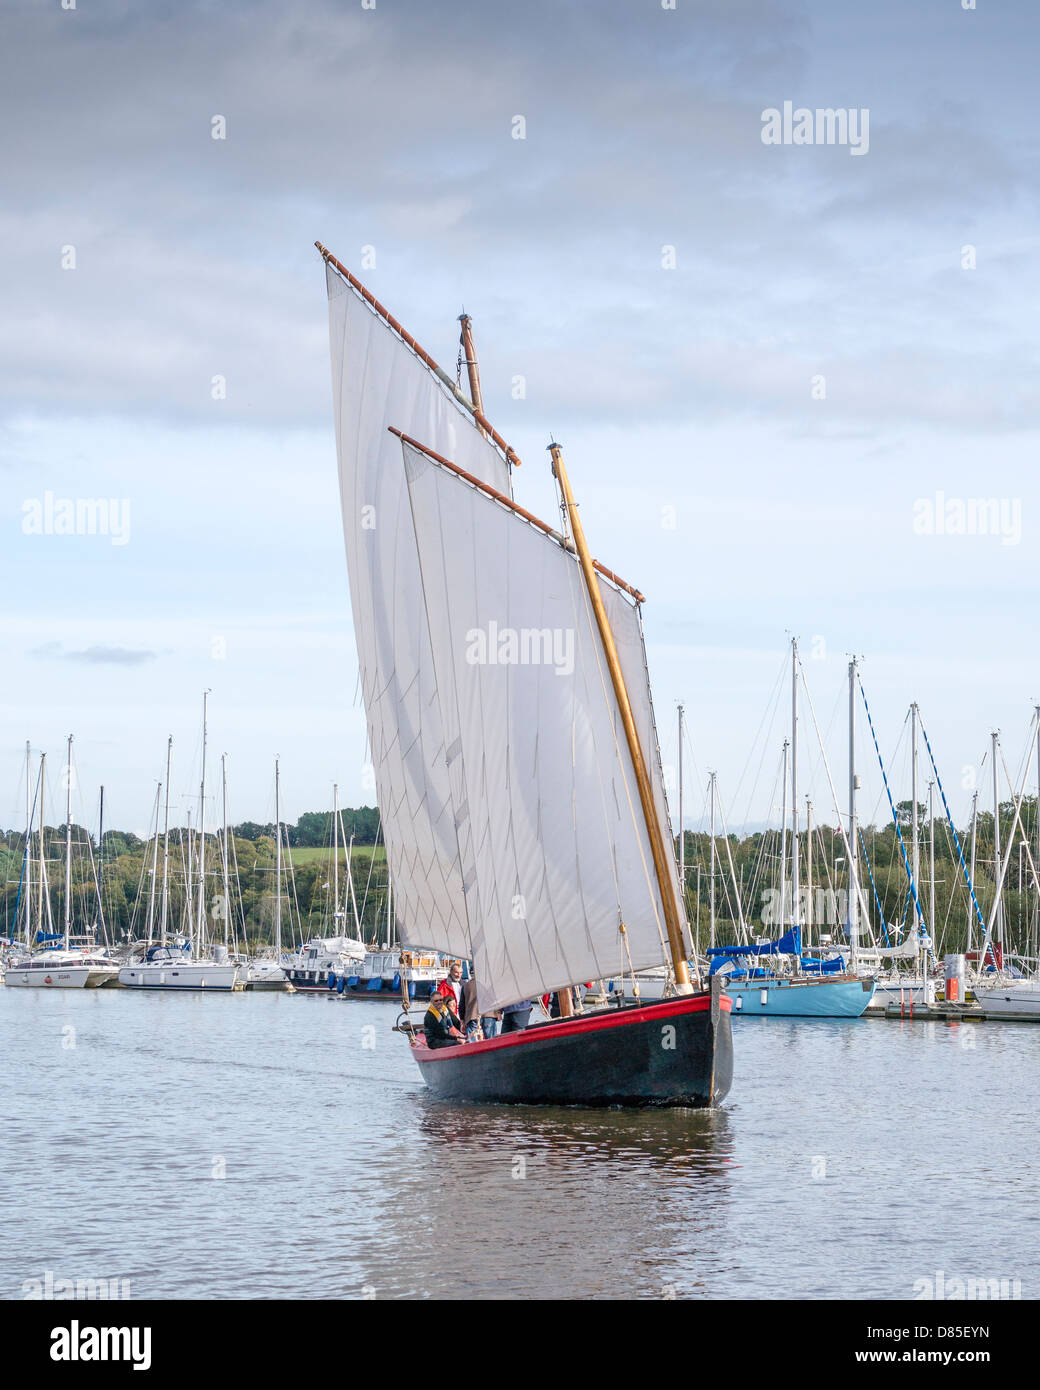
column 582, row 1023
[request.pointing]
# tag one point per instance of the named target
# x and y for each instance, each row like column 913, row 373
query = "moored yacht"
column 77, row 963
column 59, row 969
column 322, row 957
column 173, row 967
column 391, row 972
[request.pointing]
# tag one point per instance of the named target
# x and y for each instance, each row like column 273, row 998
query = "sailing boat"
column 794, row 994
column 321, row 961
column 77, row 963
column 513, row 741
column 1000, row 992
column 182, row 963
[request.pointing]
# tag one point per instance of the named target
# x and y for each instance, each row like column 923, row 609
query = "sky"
column 772, row 366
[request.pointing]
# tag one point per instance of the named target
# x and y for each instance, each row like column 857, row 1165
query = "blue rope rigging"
column 953, row 831
column 892, row 805
column 870, row 875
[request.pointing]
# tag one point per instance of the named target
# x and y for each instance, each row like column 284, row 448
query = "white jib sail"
column 550, row 828
column 378, row 381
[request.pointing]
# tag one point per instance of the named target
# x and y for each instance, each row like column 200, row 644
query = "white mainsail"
column 552, row 840
column 377, row 381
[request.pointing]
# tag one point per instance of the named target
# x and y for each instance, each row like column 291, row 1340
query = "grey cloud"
column 391, row 127
column 99, row 655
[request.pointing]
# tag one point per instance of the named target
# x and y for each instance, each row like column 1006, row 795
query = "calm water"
column 851, row 1159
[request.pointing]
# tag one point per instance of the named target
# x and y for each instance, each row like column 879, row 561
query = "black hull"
column 672, row 1052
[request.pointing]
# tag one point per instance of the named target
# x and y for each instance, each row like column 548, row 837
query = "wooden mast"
column 472, row 368
column 673, row 918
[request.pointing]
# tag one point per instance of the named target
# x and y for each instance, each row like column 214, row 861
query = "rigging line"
column 770, row 713
column 1001, row 868
column 870, row 875
column 853, row 876
column 812, row 757
column 742, row 924
column 953, row 894
column 1024, row 841
column 761, row 850
column 895, row 820
column 758, row 866
column 949, row 818
column 292, row 880
column 371, row 865
column 698, row 775
column 891, row 763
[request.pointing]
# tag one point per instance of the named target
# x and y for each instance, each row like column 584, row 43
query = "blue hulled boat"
column 813, row 989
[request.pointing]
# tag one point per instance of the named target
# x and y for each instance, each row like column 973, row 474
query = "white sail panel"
column 554, row 845
column 377, row 381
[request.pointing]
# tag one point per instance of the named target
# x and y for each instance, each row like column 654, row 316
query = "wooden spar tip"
column 553, row 449
column 497, row 496
column 512, row 457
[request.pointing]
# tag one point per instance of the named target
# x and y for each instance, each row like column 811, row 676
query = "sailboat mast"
column 853, row 896
column 68, row 845
column 795, row 885
column 335, row 855
column 101, row 865
column 783, row 839
column 669, row 900
column 472, row 368
column 682, row 829
column 931, row 857
column 155, row 864
column 202, row 824
column 43, row 871
column 915, row 848
column 974, row 838
column 996, row 847
column 224, row 853
column 166, row 847
column 28, row 842
column 808, row 871
column 277, row 862
column 711, row 866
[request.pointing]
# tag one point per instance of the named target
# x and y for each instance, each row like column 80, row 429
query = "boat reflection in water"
column 638, row 1202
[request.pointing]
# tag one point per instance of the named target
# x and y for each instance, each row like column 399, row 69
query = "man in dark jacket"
column 442, row 1025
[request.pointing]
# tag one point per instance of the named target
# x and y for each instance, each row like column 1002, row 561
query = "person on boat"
column 515, row 1017
column 471, row 1021
column 491, row 1024
column 455, row 981
column 441, row 1024
column 478, row 1026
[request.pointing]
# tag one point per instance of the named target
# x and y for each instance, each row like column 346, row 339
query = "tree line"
column 127, row 866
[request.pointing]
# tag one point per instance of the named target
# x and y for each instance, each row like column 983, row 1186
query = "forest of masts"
column 748, row 866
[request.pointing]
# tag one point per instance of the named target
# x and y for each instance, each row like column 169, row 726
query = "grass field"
column 310, row 854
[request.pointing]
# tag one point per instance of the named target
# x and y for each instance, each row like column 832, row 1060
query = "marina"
column 520, row 758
